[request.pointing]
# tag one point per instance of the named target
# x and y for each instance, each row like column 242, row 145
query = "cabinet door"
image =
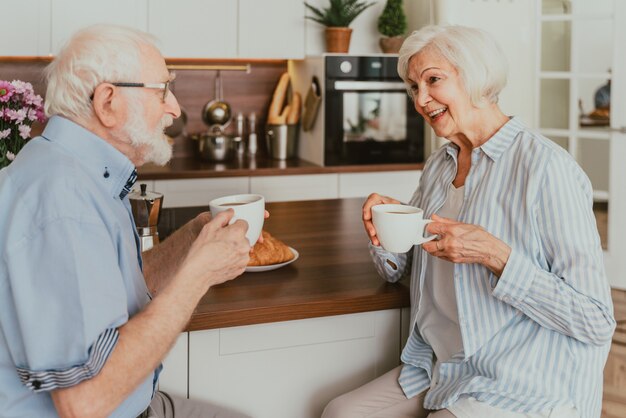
column 295, row 187
column 271, row 29
column 198, row 192
column 397, row 184
column 195, row 28
column 292, row 368
column 173, row 378
column 67, row 16
column 25, row 28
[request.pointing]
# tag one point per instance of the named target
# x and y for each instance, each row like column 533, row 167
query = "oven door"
column 371, row 122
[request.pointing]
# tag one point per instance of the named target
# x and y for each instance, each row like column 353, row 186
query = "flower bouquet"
column 19, row 108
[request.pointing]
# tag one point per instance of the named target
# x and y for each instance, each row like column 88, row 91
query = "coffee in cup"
column 400, row 227
column 248, row 207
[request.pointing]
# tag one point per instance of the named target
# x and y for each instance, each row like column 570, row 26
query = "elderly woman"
column 511, row 310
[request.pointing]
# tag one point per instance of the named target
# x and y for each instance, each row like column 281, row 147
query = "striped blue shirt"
column 537, row 337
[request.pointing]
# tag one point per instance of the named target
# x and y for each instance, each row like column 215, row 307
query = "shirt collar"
column 101, row 159
column 497, row 144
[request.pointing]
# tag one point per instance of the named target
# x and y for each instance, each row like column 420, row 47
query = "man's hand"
column 372, row 200
column 219, row 253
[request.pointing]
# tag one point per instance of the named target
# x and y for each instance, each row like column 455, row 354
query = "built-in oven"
column 356, row 111
column 369, row 117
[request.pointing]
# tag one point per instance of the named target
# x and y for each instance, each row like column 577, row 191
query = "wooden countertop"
column 333, row 275
column 190, row 167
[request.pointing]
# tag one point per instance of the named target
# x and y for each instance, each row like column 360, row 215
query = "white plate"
column 256, row 269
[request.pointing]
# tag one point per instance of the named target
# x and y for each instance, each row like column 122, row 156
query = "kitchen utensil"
column 214, row 145
column 217, row 111
column 252, row 142
column 146, row 209
column 240, row 144
column 311, row 105
column 282, row 141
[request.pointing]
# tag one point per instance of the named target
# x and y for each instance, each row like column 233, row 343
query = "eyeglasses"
column 161, row 86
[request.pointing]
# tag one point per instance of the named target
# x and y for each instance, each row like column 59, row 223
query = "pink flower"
column 6, row 91
column 24, row 131
column 22, row 87
column 17, row 115
column 20, row 107
column 32, row 114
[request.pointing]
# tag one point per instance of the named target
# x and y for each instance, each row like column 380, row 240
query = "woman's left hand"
column 459, row 242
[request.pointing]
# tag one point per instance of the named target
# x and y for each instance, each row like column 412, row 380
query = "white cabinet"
column 173, row 378
column 397, row 184
column 25, row 28
column 199, row 192
column 292, row 368
column 295, row 187
column 194, row 28
column 271, row 29
column 67, row 16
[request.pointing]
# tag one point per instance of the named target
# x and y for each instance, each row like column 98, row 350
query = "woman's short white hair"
column 474, row 53
column 93, row 55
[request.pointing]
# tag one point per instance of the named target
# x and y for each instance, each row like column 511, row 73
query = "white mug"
column 248, row 207
column 400, row 227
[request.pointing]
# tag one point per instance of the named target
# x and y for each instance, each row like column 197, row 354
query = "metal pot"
column 215, row 145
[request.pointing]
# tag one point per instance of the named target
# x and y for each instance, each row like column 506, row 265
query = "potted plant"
column 337, row 18
column 392, row 25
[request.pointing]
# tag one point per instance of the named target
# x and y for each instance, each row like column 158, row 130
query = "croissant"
column 270, row 251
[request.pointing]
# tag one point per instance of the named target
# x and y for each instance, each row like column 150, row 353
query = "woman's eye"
column 413, row 87
column 433, row 79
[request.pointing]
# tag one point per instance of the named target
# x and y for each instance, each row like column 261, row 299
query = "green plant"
column 392, row 21
column 340, row 13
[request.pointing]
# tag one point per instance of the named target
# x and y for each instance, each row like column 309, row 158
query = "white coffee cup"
column 248, row 207
column 400, row 227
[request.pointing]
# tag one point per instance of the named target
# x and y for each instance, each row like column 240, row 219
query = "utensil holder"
column 282, row 141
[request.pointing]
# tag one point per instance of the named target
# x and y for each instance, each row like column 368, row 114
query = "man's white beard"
column 158, row 148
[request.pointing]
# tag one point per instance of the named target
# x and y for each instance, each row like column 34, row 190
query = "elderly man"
column 84, row 321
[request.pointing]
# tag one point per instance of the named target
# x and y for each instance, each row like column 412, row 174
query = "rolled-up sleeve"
column 68, row 298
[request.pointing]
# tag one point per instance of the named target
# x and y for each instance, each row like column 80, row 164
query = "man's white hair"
column 93, row 55
column 475, row 54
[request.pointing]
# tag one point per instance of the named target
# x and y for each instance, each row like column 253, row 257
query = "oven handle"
column 370, row 85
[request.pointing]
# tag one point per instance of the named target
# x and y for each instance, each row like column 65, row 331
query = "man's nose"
column 171, row 105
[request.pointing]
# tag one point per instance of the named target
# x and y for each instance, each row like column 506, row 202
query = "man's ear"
column 107, row 105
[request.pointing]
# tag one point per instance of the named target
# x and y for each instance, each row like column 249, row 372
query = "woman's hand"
column 372, row 200
column 466, row 243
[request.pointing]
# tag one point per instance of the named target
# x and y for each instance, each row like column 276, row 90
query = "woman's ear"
column 107, row 105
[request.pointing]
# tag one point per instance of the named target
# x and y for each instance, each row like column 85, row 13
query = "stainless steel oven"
column 369, row 118
column 365, row 117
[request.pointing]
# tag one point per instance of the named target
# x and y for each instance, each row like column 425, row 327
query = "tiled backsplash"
column 246, row 93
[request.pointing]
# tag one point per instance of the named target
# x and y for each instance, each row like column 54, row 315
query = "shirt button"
column 507, row 299
column 36, row 384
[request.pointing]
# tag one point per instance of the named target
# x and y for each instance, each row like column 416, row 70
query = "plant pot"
column 338, row 39
column 391, row 45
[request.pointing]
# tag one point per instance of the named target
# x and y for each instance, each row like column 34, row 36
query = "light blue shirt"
column 537, row 337
column 70, row 268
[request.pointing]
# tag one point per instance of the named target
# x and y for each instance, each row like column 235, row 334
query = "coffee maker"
column 146, row 207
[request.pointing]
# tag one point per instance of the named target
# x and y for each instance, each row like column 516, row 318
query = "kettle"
column 146, row 208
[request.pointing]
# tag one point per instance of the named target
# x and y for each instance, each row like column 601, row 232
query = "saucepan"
column 214, row 145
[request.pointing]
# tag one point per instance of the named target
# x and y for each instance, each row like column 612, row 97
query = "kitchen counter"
column 191, row 167
column 333, row 275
